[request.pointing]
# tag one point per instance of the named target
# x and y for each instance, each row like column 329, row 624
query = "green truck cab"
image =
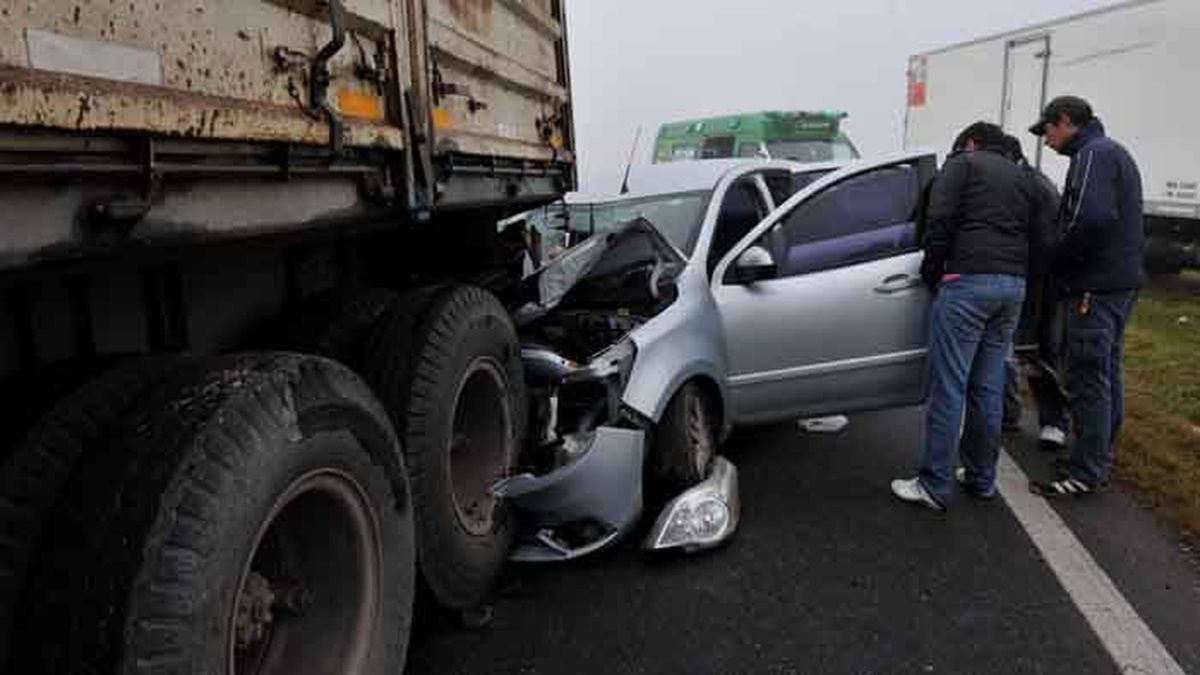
column 800, row 136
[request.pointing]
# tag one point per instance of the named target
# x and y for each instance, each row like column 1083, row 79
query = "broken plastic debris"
column 824, row 425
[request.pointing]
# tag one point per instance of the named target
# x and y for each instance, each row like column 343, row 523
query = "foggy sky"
column 645, row 62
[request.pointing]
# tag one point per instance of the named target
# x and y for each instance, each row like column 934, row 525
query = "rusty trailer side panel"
column 39, row 99
column 112, row 113
column 225, row 69
column 500, row 80
column 481, row 77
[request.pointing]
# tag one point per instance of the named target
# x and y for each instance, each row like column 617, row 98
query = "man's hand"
column 932, row 269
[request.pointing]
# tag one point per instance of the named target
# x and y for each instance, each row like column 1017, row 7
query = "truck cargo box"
column 1133, row 62
column 234, row 116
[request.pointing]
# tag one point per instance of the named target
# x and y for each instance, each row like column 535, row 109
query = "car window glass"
column 784, row 184
column 780, row 185
column 749, row 149
column 810, row 149
column 677, row 216
column 865, row 217
column 802, row 179
column 683, row 152
column 741, row 210
column 717, row 147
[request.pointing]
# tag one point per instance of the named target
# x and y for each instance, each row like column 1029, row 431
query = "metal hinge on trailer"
column 319, row 78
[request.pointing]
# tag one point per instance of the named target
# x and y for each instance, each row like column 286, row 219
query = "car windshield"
column 811, row 149
column 677, row 216
column 560, row 227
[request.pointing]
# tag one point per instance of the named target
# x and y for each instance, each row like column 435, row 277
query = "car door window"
column 865, row 217
column 784, row 184
column 741, row 209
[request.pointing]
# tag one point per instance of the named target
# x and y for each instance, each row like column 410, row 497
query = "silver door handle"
column 897, row 283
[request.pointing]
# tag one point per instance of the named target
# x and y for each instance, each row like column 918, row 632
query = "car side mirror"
column 754, row 264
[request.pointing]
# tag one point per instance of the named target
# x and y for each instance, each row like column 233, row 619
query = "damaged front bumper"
column 595, row 500
column 583, row 489
column 583, row 505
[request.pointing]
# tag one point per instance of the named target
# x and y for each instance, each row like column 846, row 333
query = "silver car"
column 734, row 293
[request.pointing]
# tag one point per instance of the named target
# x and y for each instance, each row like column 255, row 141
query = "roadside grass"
column 1158, row 453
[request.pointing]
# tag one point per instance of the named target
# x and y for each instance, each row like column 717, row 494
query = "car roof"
column 701, row 174
column 648, row 180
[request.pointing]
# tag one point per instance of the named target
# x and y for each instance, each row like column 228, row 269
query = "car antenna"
column 629, row 165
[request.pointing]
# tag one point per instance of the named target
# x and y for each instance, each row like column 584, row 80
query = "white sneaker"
column 911, row 490
column 1053, row 435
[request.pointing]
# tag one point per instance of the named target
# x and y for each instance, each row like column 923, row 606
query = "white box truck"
column 1134, row 62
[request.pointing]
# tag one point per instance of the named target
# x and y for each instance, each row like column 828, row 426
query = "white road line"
column 1130, row 642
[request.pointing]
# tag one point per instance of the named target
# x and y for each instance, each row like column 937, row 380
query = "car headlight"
column 696, row 519
column 701, row 517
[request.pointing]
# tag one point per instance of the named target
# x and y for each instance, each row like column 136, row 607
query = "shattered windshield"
column 677, row 216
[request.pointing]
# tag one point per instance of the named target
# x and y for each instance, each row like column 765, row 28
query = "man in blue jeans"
column 1099, row 265
column 981, row 230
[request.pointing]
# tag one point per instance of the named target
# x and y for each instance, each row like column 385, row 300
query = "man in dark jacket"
column 1042, row 309
column 978, row 228
column 1099, row 266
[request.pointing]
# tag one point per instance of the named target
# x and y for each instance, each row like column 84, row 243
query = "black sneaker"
column 1062, row 487
column 1062, row 467
column 960, row 475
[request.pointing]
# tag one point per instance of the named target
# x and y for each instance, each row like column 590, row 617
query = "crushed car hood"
column 635, row 244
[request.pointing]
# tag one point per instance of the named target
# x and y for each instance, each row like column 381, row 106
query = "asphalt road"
column 830, row 574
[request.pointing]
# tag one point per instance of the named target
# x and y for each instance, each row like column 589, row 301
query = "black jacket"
column 1101, row 213
column 1048, row 226
column 986, row 215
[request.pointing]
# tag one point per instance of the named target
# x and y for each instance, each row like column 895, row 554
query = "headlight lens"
column 702, row 517
column 695, row 519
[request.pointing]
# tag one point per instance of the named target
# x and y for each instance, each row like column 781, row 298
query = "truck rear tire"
column 33, row 474
column 250, row 516
column 329, row 323
column 447, row 364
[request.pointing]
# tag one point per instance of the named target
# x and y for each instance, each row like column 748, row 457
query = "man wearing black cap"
column 1099, row 265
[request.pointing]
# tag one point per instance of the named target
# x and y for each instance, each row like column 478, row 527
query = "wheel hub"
column 480, row 447
column 309, row 594
column 255, row 615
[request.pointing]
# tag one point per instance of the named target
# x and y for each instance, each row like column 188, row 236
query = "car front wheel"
column 684, row 443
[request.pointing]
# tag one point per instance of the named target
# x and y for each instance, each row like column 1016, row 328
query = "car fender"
column 682, row 343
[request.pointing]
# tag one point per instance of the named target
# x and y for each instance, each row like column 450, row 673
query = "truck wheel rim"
column 480, row 445
column 308, row 597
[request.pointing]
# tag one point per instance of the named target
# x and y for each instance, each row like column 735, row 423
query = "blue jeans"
column 1095, row 354
column 972, row 328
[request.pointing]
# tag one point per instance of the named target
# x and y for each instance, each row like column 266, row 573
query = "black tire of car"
column 34, row 473
column 329, row 323
column 252, row 506
column 684, row 443
column 446, row 362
